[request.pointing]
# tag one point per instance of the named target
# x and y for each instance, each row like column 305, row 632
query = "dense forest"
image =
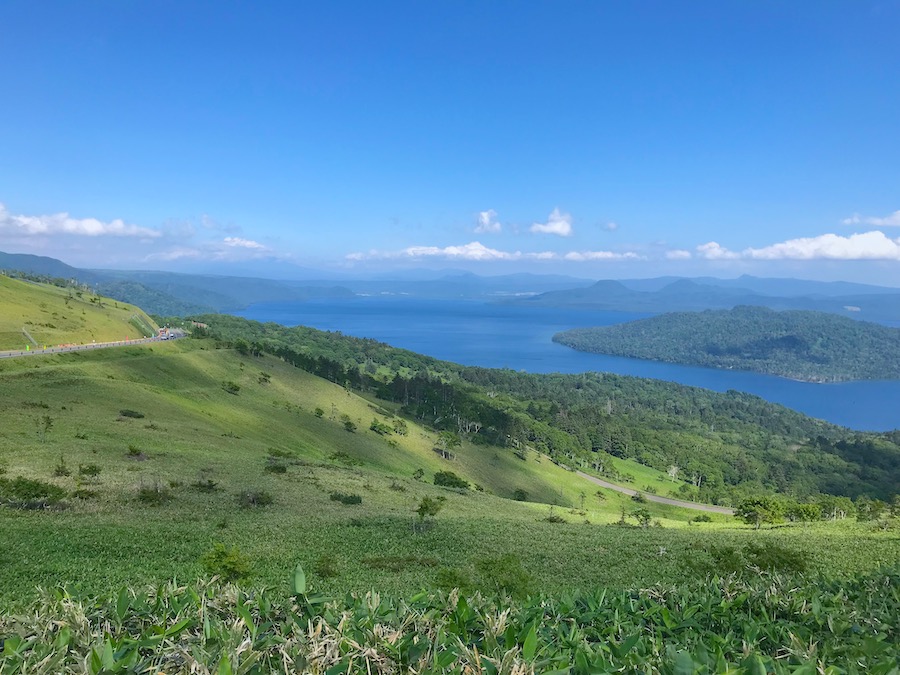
column 802, row 345
column 726, row 446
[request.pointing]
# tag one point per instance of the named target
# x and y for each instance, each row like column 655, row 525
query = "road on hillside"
column 656, row 498
column 62, row 349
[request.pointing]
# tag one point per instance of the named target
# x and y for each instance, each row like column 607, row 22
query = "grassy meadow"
column 136, row 481
column 178, row 430
column 54, row 315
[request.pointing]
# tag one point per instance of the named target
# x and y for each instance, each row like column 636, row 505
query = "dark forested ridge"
column 811, row 346
column 728, row 445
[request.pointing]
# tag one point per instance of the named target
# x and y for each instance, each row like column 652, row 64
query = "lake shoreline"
column 731, row 369
column 487, row 335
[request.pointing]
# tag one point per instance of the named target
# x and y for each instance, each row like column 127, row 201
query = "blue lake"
column 506, row 336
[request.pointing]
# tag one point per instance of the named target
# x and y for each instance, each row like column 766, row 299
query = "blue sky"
column 598, row 139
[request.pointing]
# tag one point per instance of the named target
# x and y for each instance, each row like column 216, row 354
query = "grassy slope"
column 194, row 430
column 54, row 315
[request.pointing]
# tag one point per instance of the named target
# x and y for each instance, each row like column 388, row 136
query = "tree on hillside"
column 447, row 441
column 643, row 517
column 349, row 424
column 868, row 508
column 836, row 507
column 804, row 513
column 427, row 509
column 450, row 480
column 43, row 424
column 759, row 510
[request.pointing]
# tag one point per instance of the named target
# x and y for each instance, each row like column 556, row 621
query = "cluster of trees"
column 726, row 446
column 776, row 508
column 803, row 345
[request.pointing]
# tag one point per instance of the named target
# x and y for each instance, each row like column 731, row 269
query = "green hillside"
column 726, row 446
column 175, row 450
column 812, row 346
column 160, row 416
column 54, row 315
column 156, row 465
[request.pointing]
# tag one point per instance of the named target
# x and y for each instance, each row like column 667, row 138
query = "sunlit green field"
column 175, row 449
column 154, row 466
column 54, row 316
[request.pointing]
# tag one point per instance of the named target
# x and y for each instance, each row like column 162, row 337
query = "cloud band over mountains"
column 173, row 241
column 208, row 242
column 874, row 245
column 477, row 251
column 63, row 223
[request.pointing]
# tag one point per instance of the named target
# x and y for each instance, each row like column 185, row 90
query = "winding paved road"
column 656, row 498
column 76, row 348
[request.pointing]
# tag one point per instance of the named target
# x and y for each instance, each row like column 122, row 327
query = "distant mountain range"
column 171, row 293
column 669, row 294
column 465, row 285
column 768, row 286
column 39, row 264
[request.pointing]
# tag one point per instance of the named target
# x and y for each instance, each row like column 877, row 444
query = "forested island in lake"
column 802, row 345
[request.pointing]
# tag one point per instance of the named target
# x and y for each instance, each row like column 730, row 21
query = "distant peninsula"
column 800, row 345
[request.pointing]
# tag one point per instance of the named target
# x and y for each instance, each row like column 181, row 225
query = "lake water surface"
column 509, row 336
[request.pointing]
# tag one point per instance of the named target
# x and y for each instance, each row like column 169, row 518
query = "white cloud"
column 229, row 249
column 678, row 254
column 611, row 226
column 872, row 245
column 581, row 256
column 487, row 222
column 63, row 223
column 472, row 251
column 891, row 220
column 237, row 242
column 713, row 251
column 479, row 252
column 558, row 223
